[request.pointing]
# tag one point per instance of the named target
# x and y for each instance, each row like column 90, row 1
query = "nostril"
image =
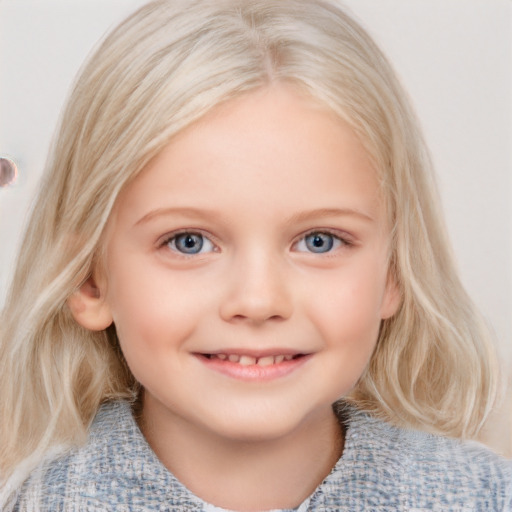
column 256, row 301
column 276, row 317
column 257, row 318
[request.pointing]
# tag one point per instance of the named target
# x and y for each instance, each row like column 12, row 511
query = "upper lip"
column 256, row 353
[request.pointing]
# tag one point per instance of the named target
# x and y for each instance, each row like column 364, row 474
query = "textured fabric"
column 383, row 468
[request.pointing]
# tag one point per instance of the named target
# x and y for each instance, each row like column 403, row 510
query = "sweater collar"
column 363, row 437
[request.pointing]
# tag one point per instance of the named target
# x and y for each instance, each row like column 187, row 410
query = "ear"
column 89, row 308
column 392, row 298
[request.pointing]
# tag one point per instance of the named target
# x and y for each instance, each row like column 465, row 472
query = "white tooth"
column 234, row 358
column 266, row 361
column 247, row 360
column 279, row 359
column 288, row 357
column 222, row 356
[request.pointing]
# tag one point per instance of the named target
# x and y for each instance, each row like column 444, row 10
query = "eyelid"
column 345, row 239
column 164, row 242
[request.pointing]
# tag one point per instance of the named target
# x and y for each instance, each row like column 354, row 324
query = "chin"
column 261, row 426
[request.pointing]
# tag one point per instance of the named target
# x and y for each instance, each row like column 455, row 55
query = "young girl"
column 235, row 291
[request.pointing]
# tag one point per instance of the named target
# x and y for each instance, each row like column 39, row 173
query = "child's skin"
column 252, row 179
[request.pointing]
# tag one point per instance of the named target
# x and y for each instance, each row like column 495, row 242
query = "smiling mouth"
column 253, row 366
column 247, row 360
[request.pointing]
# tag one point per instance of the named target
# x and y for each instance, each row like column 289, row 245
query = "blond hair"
column 159, row 71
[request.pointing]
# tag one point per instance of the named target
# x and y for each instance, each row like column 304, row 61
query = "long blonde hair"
column 160, row 70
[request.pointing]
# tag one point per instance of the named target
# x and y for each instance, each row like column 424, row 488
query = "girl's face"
column 247, row 268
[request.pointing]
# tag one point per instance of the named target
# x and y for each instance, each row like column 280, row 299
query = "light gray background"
column 453, row 56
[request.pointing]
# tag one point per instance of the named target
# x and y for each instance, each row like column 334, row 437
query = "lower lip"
column 254, row 372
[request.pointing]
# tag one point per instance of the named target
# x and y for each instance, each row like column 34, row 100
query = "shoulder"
column 52, row 485
column 417, row 470
column 452, row 472
column 115, row 470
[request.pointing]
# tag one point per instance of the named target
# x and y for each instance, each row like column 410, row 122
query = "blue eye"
column 318, row 242
column 190, row 243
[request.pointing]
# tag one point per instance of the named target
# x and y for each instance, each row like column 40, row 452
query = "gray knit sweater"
column 383, row 468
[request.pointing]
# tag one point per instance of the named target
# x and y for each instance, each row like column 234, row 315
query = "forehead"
column 272, row 147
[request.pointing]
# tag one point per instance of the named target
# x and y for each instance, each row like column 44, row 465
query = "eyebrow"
column 200, row 214
column 185, row 212
column 329, row 212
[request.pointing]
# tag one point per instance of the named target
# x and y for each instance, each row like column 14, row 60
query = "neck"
column 245, row 475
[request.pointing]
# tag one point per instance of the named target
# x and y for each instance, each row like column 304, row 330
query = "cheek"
column 156, row 315
column 151, row 311
column 348, row 312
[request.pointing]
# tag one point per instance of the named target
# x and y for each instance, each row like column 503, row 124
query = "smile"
column 254, row 367
column 247, row 360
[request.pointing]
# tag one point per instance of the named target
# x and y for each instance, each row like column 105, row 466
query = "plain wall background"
column 453, row 57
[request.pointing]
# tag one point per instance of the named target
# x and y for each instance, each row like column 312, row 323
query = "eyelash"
column 170, row 242
column 337, row 242
column 342, row 241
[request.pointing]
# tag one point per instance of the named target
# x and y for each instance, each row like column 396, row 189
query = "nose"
column 257, row 291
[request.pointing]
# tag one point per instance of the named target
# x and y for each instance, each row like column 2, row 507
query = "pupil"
column 189, row 243
column 319, row 242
